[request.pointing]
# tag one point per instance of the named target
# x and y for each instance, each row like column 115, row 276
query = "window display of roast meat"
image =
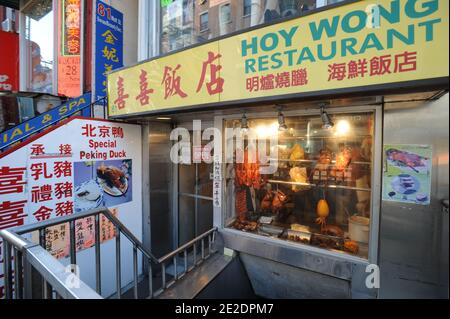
column 266, row 203
column 317, row 179
column 323, row 211
column 325, row 156
column 299, row 175
column 279, row 200
column 297, row 153
column 351, row 246
column 248, row 173
column 332, row 230
column 343, row 159
column 245, row 225
column 241, row 204
column 273, row 202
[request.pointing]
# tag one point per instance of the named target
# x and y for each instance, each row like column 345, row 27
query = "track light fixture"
column 282, row 122
column 244, row 124
column 326, row 119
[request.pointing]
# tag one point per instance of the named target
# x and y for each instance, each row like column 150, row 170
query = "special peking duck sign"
column 9, row 61
column 96, row 164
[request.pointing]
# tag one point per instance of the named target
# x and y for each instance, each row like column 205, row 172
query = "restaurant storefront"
column 315, row 145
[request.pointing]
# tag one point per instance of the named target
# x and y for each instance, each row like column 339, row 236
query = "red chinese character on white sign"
column 12, row 180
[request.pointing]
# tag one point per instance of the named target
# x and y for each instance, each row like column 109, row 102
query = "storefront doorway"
column 195, row 203
column 193, row 189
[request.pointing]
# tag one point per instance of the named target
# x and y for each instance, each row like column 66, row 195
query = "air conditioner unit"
column 7, row 25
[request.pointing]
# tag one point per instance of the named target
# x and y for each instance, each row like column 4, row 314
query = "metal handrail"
column 186, row 246
column 64, row 117
column 21, row 230
column 53, row 273
column 13, row 237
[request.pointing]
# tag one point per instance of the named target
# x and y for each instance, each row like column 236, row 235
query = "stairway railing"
column 103, row 102
column 29, row 255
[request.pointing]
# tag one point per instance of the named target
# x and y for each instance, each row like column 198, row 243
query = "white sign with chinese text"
column 81, row 165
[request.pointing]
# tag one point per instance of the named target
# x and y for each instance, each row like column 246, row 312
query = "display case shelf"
column 302, row 138
column 273, row 181
column 314, row 161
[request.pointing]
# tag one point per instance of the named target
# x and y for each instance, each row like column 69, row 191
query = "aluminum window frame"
column 244, row 7
column 204, row 13
column 376, row 180
column 221, row 6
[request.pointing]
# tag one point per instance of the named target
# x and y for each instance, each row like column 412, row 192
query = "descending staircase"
column 198, row 269
column 81, row 106
column 195, row 282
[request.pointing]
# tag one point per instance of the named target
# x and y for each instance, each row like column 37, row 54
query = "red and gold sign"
column 69, row 57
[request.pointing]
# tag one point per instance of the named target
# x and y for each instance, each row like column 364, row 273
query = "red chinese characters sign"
column 49, row 178
column 9, row 61
column 69, row 56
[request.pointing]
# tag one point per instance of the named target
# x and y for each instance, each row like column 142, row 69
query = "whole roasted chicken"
column 298, row 175
column 297, row 153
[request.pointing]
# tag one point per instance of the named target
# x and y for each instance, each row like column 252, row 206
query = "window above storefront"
column 189, row 22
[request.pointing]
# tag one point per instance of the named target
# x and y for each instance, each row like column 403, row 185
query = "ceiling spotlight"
column 327, row 122
column 282, row 122
column 244, row 124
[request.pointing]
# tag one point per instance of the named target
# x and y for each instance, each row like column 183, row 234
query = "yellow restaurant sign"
column 360, row 44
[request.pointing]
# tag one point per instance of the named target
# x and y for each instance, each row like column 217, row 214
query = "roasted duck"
column 113, row 176
column 266, row 203
column 279, row 199
column 343, row 159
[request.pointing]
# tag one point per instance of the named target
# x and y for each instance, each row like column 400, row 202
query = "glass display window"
column 318, row 191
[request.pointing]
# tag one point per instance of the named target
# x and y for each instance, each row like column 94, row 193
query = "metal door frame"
column 177, row 194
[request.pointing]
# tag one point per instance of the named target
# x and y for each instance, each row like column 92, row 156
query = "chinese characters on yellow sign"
column 356, row 45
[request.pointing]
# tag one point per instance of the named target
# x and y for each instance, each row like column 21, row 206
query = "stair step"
column 190, row 263
column 195, row 281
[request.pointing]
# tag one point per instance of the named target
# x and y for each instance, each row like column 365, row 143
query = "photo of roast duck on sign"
column 407, row 176
column 102, row 183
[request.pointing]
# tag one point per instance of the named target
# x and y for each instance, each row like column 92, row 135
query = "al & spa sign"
column 43, row 120
column 360, row 44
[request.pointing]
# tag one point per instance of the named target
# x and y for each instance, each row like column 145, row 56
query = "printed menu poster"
column 407, row 173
